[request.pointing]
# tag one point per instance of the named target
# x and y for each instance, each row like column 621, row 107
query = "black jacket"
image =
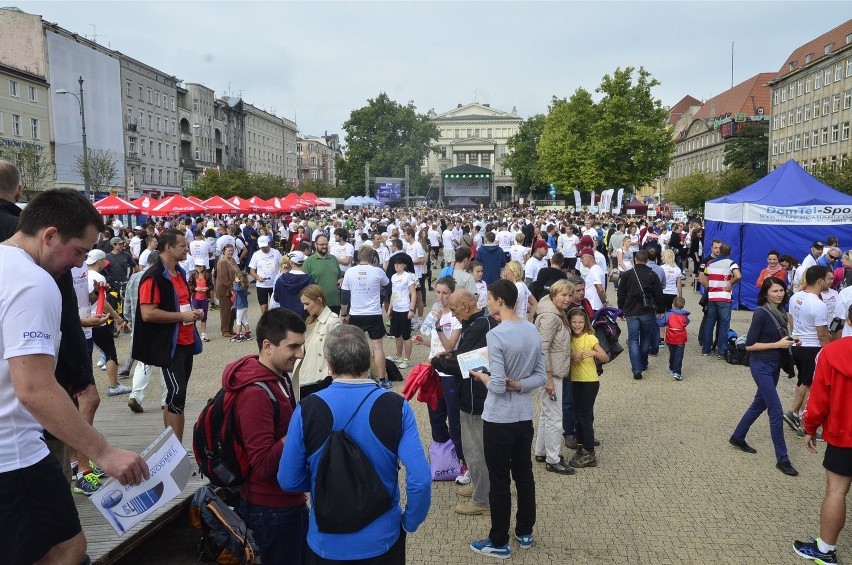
column 630, row 292
column 472, row 393
column 9, row 213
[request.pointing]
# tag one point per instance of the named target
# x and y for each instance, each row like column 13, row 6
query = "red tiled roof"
column 816, row 48
column 739, row 99
column 681, row 107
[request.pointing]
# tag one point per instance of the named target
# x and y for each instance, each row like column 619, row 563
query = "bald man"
column 475, row 325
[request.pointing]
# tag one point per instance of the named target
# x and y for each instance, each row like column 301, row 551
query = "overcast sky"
column 317, row 61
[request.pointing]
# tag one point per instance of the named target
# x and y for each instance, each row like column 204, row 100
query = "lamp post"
column 85, row 148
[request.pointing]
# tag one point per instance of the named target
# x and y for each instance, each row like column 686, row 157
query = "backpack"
column 218, row 449
column 676, row 329
column 348, row 493
column 224, row 536
column 447, row 271
column 392, row 371
column 736, row 353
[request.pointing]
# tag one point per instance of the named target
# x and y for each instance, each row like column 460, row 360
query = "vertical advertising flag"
column 619, row 198
column 592, row 204
column 606, row 200
column 577, row 204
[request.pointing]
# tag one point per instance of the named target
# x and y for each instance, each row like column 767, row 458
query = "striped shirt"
column 719, row 274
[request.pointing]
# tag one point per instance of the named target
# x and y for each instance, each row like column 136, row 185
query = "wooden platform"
column 125, row 429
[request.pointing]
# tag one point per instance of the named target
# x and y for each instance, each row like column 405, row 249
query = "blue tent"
column 786, row 210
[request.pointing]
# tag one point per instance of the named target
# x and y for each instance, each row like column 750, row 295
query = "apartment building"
column 201, row 131
column 316, row 157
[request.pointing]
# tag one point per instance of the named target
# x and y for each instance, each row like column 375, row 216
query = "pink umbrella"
column 219, row 205
column 112, row 204
column 174, row 205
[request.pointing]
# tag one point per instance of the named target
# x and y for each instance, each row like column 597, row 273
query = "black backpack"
column 348, row 492
column 217, row 445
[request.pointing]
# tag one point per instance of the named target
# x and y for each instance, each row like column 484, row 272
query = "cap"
column 116, row 241
column 540, row 244
column 818, row 244
column 587, row 251
column 586, row 241
column 94, row 256
column 296, row 257
column 138, row 228
column 263, row 241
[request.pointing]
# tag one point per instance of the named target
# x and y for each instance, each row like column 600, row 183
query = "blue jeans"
column 568, row 408
column 447, row 413
column 640, row 332
column 717, row 313
column 280, row 533
column 676, row 358
column 765, row 376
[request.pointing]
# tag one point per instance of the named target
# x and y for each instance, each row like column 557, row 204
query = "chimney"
column 459, row 106
column 487, row 105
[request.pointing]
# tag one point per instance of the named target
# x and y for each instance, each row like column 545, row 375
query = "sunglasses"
column 834, row 257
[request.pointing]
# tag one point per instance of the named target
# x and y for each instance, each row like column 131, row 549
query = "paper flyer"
column 476, row 360
column 126, row 506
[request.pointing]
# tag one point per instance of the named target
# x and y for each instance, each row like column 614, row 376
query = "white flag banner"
column 619, row 198
column 577, row 204
column 606, row 200
column 592, row 204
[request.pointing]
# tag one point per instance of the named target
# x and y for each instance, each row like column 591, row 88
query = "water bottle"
column 428, row 325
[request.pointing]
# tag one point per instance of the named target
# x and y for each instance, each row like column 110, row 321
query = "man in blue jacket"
column 492, row 257
column 384, row 441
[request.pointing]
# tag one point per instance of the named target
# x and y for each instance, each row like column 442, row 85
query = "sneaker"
column 488, row 549
column 464, row 476
column 465, row 491
column 118, row 389
column 584, row 458
column 560, row 468
column 793, row 421
column 395, row 359
column 124, row 373
column 98, row 472
column 87, row 484
column 101, row 364
column 406, row 364
column 135, row 406
column 237, row 338
column 677, row 376
column 810, row 550
column 524, row 542
column 571, row 442
column 470, row 509
column 204, row 337
column 385, row 383
column 247, row 337
column 637, row 376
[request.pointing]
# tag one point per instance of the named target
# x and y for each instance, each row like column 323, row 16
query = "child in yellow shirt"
column 585, row 350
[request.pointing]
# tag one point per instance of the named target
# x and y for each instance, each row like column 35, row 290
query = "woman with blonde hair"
column 526, row 304
column 311, row 373
column 674, row 283
column 552, row 325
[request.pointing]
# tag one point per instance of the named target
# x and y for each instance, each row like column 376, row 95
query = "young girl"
column 476, row 271
column 200, row 287
column 525, row 306
column 283, row 268
column 241, row 306
column 585, row 350
column 401, row 310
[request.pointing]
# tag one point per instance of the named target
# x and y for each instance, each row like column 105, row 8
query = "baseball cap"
column 200, row 262
column 587, row 251
column 818, row 244
column 296, row 257
column 94, row 256
column 116, row 241
column 540, row 244
column 263, row 241
column 586, row 241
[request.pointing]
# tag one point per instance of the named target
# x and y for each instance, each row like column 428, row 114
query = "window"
column 314, row 174
column 157, row 99
column 776, row 96
column 158, row 124
column 151, row 178
column 789, row 145
column 808, row 85
column 781, row 146
column 783, row 121
column 16, row 125
column 160, row 176
column 489, row 136
column 807, row 112
column 174, row 126
column 816, row 109
column 173, row 109
column 13, row 88
column 790, row 91
column 838, row 72
column 815, row 138
column 847, row 99
column 141, row 119
column 129, row 115
column 826, row 79
column 144, row 170
column 160, row 149
column 195, row 104
column 174, row 152
column 132, row 144
column 151, row 148
column 817, row 81
column 844, row 135
column 141, row 97
column 825, row 103
column 796, row 142
column 835, row 103
column 799, row 87
column 128, row 86
column 835, row 133
column 142, row 147
column 1, row 122
column 197, row 153
column 824, row 139
column 849, row 67
column 167, row 152
column 34, row 127
column 150, row 122
column 148, row 90
column 783, row 95
column 806, row 140
column 799, row 115
column 774, row 148
column 33, row 94
column 790, row 118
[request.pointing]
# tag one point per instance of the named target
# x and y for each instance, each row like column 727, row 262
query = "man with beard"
column 325, row 269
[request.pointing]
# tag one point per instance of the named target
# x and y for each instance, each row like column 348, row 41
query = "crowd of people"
column 530, row 286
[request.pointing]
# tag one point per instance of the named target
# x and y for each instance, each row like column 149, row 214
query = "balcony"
column 186, row 137
column 189, row 164
column 132, row 156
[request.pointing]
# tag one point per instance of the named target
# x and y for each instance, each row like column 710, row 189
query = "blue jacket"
column 493, row 259
column 298, row 468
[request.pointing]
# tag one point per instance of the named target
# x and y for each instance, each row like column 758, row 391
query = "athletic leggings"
column 177, row 377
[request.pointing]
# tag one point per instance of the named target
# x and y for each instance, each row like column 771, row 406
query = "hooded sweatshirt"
column 287, row 289
column 254, row 415
column 493, row 259
column 828, row 404
column 675, row 322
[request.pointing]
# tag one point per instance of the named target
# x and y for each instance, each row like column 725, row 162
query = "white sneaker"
column 118, row 389
column 101, row 364
column 204, row 337
column 395, row 359
column 464, row 478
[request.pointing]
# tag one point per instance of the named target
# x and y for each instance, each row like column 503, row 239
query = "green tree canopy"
column 100, row 169
column 565, row 148
column 389, row 136
column 693, row 191
column 838, row 177
column 523, row 159
column 749, row 149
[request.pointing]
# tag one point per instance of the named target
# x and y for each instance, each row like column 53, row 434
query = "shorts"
column 102, row 336
column 372, row 324
column 37, row 511
column 805, row 360
column 203, row 305
column 838, row 460
column 400, row 325
column 263, row 295
column 242, row 317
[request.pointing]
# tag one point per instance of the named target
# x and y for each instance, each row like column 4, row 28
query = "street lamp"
column 85, row 148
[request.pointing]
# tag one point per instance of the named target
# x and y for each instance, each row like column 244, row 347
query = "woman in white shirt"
column 674, row 282
column 311, row 373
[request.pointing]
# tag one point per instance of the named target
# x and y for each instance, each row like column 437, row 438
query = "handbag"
column 785, row 362
column 647, row 301
column 443, row 461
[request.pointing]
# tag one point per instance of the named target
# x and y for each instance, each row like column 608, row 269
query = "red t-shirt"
column 186, row 333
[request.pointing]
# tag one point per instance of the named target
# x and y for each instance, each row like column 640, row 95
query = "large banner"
column 606, row 200
column 472, row 188
column 818, row 214
column 619, row 198
column 577, row 204
column 592, row 201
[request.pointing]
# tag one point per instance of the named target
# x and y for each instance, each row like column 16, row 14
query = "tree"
column 732, row 180
column 387, row 135
column 838, row 177
column 749, row 149
column 100, row 169
column 522, row 159
column 565, row 149
column 693, row 191
column 36, row 171
column 631, row 144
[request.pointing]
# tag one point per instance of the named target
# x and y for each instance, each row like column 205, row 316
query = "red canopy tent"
column 219, row 205
column 241, row 204
column 176, row 205
column 145, row 203
column 292, row 202
column 258, row 204
column 195, row 199
column 112, row 204
column 313, row 199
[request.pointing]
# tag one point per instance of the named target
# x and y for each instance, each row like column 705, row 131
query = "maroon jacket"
column 254, row 415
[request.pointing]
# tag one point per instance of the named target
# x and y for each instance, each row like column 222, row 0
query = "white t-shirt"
column 266, row 265
column 505, row 239
column 447, row 324
column 829, row 298
column 594, row 275
column 447, row 238
column 522, row 306
column 533, row 266
column 416, row 251
column 30, row 307
column 341, row 250
column 481, row 294
column 672, row 276
column 384, row 254
column 135, row 246
column 518, row 253
column 81, row 289
column 364, row 283
column 808, row 312
column 199, row 249
column 400, row 295
column 434, row 237
column 841, row 309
